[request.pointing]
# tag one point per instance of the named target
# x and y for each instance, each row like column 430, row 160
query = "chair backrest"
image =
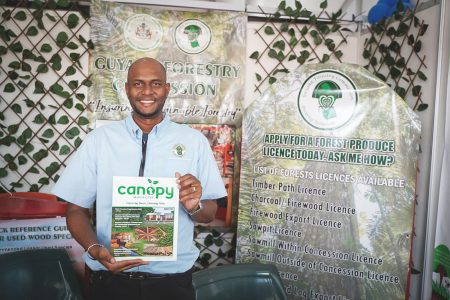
column 38, row 274
column 241, row 281
column 29, row 205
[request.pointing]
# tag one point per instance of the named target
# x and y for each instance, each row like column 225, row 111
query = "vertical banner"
column 328, row 183
column 204, row 56
column 441, row 255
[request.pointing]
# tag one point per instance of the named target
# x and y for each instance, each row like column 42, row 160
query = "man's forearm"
column 79, row 223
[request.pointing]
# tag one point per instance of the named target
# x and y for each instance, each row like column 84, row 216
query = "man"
column 120, row 149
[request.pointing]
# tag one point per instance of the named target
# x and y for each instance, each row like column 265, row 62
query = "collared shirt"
column 115, row 150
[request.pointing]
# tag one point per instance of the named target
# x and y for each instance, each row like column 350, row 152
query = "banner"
column 204, row 56
column 47, row 233
column 328, row 183
column 441, row 255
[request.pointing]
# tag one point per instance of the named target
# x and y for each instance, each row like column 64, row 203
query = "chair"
column 29, row 205
column 38, row 274
column 241, row 281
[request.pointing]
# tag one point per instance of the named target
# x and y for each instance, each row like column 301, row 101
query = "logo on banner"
column 142, row 32
column 192, row 36
column 327, row 100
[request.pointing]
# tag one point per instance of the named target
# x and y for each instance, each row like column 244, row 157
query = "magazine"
column 144, row 218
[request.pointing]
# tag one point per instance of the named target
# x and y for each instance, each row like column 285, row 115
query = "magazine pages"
column 144, row 218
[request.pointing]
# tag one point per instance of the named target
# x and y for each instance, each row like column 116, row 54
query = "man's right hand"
column 106, row 259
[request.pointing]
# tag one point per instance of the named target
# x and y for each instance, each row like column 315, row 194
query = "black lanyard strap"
column 144, row 154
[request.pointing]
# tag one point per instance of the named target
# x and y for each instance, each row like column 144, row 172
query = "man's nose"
column 148, row 89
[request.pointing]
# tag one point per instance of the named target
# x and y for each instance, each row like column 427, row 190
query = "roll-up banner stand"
column 329, row 159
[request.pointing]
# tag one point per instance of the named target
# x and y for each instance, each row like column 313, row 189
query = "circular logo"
column 327, row 100
column 179, row 150
column 142, row 32
column 192, row 36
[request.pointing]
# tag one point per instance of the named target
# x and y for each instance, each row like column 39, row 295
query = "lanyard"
column 144, row 154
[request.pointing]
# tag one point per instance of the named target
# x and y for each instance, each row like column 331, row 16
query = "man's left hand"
column 190, row 191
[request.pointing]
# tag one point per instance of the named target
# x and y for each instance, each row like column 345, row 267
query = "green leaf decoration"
column 395, row 73
column 258, row 77
column 38, row 87
column 63, row 120
column 282, row 5
column 50, row 17
column 77, row 142
column 42, row 68
column 33, row 170
column 27, row 148
column 26, row 67
column 72, row 45
column 39, row 119
column 83, row 121
column 272, row 53
column 72, row 133
column 292, row 57
column 56, row 88
column 65, row 150
column 416, row 90
column 16, row 184
column 279, row 44
column 34, row 188
column 75, row 58
column 338, row 54
column 422, row 107
column 400, row 91
column 90, row 44
column 46, row 48
column 8, row 158
column 7, row 140
column 70, row 71
column 40, row 155
column 82, row 39
column 304, row 43
column 14, row 65
column 61, row 39
column 68, row 103
column 73, row 84
column 22, row 160
column 80, row 96
column 272, row 80
column 3, row 50
column 16, row 108
column 52, row 168
column 80, row 107
column 284, row 27
column 52, row 119
column 48, row 133
column 63, row 3
column 54, row 146
column 269, row 30
column 417, row 46
column 325, row 58
column 254, row 55
column 87, row 82
column 39, row 59
column 12, row 129
column 3, row 172
column 400, row 63
column 72, row 21
column 28, row 102
column 43, row 180
column 421, row 75
column 324, row 4
column 32, row 31
column 20, row 16
column 402, row 29
column 16, row 47
column 9, row 88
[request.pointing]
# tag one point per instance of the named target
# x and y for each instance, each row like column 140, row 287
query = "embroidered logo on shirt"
column 179, row 150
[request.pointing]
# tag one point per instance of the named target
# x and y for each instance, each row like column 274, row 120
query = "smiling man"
column 147, row 143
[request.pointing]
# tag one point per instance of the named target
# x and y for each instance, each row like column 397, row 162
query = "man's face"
column 147, row 89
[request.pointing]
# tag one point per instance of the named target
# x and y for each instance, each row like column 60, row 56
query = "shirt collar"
column 136, row 132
